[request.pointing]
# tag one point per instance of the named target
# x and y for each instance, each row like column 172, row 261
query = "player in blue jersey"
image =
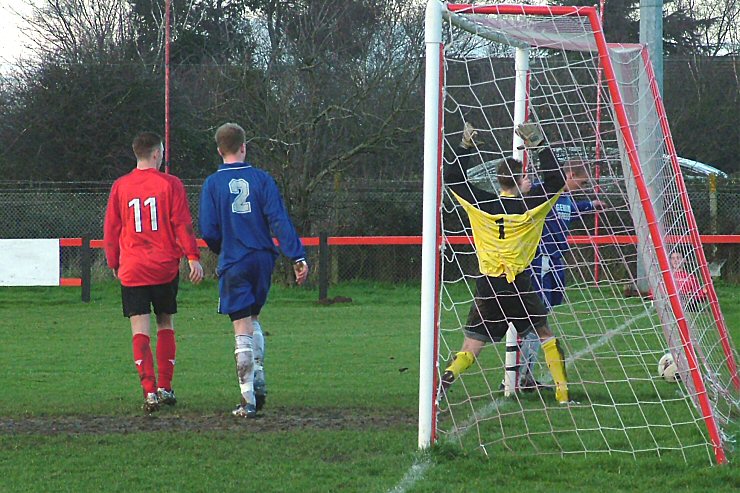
column 240, row 210
column 548, row 269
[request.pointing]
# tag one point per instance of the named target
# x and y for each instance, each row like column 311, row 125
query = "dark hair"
column 145, row 144
column 229, row 138
column 509, row 173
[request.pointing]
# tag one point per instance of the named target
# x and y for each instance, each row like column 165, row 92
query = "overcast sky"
column 11, row 41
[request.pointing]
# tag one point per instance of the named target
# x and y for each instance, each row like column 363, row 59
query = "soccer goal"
column 626, row 303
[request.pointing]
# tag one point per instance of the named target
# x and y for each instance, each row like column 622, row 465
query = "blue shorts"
column 548, row 279
column 244, row 286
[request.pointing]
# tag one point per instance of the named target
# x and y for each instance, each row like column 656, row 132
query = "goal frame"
column 432, row 237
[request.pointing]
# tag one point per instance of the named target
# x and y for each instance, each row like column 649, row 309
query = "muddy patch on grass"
column 169, row 420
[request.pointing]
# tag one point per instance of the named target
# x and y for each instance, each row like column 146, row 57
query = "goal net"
column 638, row 284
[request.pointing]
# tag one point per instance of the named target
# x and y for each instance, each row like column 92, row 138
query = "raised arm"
column 552, row 176
column 455, row 172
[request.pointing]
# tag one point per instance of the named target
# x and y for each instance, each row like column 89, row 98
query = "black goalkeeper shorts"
column 138, row 300
column 498, row 302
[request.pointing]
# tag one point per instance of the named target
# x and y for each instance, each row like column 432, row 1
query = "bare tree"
column 71, row 29
column 721, row 34
column 340, row 93
column 77, row 100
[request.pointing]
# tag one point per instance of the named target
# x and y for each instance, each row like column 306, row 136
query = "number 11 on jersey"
column 151, row 202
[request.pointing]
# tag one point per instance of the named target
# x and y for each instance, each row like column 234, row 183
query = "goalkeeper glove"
column 530, row 133
column 469, row 134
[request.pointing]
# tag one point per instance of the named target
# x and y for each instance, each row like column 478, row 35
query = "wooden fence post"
column 85, row 268
column 323, row 266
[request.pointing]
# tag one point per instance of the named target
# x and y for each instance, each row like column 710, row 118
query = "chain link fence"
column 388, row 208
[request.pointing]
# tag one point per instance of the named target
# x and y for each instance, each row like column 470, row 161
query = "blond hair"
column 576, row 167
column 229, row 138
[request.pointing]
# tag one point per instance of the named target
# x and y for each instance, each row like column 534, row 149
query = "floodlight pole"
column 651, row 35
column 167, row 86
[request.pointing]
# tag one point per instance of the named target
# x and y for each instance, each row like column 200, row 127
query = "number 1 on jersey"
column 501, row 232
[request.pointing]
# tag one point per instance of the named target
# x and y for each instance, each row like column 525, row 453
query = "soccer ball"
column 667, row 368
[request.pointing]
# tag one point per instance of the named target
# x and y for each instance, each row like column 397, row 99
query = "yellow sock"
column 463, row 360
column 556, row 363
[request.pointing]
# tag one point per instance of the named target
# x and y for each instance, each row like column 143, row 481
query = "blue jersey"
column 240, row 209
column 557, row 224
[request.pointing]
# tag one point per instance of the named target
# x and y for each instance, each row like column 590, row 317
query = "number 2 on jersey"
column 151, row 202
column 240, row 188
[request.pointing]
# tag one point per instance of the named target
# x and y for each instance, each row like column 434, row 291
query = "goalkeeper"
column 507, row 227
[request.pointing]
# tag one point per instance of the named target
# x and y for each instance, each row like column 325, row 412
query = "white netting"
column 613, row 337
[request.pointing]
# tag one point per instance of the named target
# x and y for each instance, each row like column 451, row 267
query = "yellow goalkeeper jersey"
column 506, row 228
column 506, row 243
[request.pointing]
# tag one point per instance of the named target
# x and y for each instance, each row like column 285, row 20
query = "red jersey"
column 148, row 228
column 688, row 285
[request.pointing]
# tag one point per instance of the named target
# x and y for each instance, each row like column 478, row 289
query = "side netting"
column 638, row 285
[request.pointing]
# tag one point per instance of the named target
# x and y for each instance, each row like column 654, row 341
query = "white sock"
column 259, row 352
column 530, row 348
column 245, row 367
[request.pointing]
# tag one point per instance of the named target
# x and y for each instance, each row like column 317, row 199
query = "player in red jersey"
column 689, row 287
column 148, row 228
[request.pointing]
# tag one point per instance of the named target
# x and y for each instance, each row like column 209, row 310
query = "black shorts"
column 138, row 300
column 498, row 302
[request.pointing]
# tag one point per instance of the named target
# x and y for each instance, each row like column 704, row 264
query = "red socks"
column 165, row 360
column 166, row 357
column 145, row 363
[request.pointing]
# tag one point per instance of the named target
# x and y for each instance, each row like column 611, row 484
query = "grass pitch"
column 623, row 406
column 340, row 415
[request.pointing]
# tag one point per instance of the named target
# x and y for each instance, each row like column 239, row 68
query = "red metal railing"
column 313, row 241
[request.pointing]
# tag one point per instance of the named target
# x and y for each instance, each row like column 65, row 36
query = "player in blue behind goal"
column 548, row 269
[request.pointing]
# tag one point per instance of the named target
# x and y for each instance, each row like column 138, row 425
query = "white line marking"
column 600, row 342
column 420, row 466
column 484, row 412
column 415, row 473
column 605, row 338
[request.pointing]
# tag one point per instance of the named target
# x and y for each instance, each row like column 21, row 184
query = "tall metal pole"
column 167, row 86
column 430, row 246
column 521, row 96
column 651, row 35
column 597, row 153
